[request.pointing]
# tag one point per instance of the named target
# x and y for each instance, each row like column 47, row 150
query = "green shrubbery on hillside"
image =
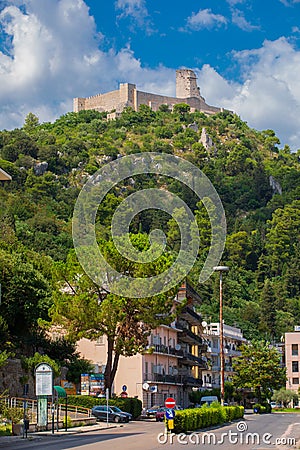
column 49, row 164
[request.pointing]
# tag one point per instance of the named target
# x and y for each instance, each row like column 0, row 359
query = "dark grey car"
column 116, row 409
column 102, row 413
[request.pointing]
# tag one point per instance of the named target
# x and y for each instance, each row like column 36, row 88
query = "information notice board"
column 43, row 379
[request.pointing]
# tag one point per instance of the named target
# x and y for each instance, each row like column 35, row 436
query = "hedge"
column 197, row 418
column 129, row 404
column 262, row 408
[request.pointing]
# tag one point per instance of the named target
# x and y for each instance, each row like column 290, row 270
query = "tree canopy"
column 259, row 368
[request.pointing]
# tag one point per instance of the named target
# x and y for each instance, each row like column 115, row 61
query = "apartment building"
column 171, row 364
column 232, row 339
column 292, row 359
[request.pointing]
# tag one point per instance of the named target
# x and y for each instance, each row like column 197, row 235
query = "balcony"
column 188, row 336
column 193, row 360
column 162, row 378
column 187, row 291
column 191, row 381
column 191, row 316
column 213, row 350
column 163, row 349
column 210, row 385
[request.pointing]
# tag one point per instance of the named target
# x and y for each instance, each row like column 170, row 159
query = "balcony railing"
column 188, row 336
column 210, row 385
column 160, row 348
column 192, row 381
column 174, row 379
column 195, row 360
column 191, row 316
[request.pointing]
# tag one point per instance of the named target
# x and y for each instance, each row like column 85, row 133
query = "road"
column 144, row 436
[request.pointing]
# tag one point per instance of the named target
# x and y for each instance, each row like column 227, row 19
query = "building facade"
column 233, row 338
column 128, row 95
column 292, row 359
column 171, row 364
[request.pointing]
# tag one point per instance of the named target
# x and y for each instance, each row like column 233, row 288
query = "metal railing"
column 74, row 411
column 160, row 348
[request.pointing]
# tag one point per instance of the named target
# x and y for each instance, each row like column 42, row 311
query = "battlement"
column 187, row 91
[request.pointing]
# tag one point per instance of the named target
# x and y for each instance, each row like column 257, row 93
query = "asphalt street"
column 270, row 431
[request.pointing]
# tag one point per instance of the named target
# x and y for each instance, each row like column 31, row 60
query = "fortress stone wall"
column 187, row 91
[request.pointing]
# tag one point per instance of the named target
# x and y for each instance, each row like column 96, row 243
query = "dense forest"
column 257, row 179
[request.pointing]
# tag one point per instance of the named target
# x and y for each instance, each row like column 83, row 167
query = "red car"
column 160, row 414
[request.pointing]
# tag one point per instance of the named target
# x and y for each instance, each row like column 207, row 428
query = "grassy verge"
column 286, row 410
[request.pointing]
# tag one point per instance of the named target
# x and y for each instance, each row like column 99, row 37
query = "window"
column 295, row 366
column 146, row 369
column 294, row 349
column 100, row 340
column 295, row 381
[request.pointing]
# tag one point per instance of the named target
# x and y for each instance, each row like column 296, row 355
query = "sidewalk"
column 62, row 432
column 74, row 430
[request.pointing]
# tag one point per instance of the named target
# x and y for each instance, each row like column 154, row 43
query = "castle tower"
column 186, row 84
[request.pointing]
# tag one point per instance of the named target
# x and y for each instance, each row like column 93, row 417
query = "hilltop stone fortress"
column 114, row 102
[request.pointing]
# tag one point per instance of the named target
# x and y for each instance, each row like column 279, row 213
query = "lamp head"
column 221, row 268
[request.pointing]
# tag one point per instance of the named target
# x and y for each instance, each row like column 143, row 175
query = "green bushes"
column 131, row 405
column 195, row 419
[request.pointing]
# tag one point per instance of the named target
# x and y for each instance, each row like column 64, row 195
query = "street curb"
column 40, row 434
column 75, row 430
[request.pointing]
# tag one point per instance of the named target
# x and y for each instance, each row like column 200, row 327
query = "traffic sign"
column 170, row 414
column 171, row 424
column 170, row 402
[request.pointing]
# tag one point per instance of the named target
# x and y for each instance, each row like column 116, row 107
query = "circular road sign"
column 170, row 414
column 170, row 403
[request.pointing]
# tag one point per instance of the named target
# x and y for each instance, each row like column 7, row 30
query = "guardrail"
column 74, row 412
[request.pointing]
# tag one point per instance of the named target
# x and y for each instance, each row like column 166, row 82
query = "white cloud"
column 238, row 19
column 269, row 96
column 289, row 2
column 136, row 10
column 235, row 2
column 55, row 55
column 295, row 29
column 205, row 18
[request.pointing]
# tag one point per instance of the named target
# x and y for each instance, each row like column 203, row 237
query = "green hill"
column 257, row 181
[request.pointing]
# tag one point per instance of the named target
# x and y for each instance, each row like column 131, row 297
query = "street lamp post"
column 221, row 269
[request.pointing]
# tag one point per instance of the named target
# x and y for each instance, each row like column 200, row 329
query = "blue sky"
column 245, row 53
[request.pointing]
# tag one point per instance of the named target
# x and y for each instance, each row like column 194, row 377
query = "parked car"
column 275, row 405
column 150, row 412
column 209, row 399
column 118, row 410
column 113, row 416
column 160, row 414
column 178, row 408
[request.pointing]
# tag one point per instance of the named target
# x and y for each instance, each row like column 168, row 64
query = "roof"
column 4, row 176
